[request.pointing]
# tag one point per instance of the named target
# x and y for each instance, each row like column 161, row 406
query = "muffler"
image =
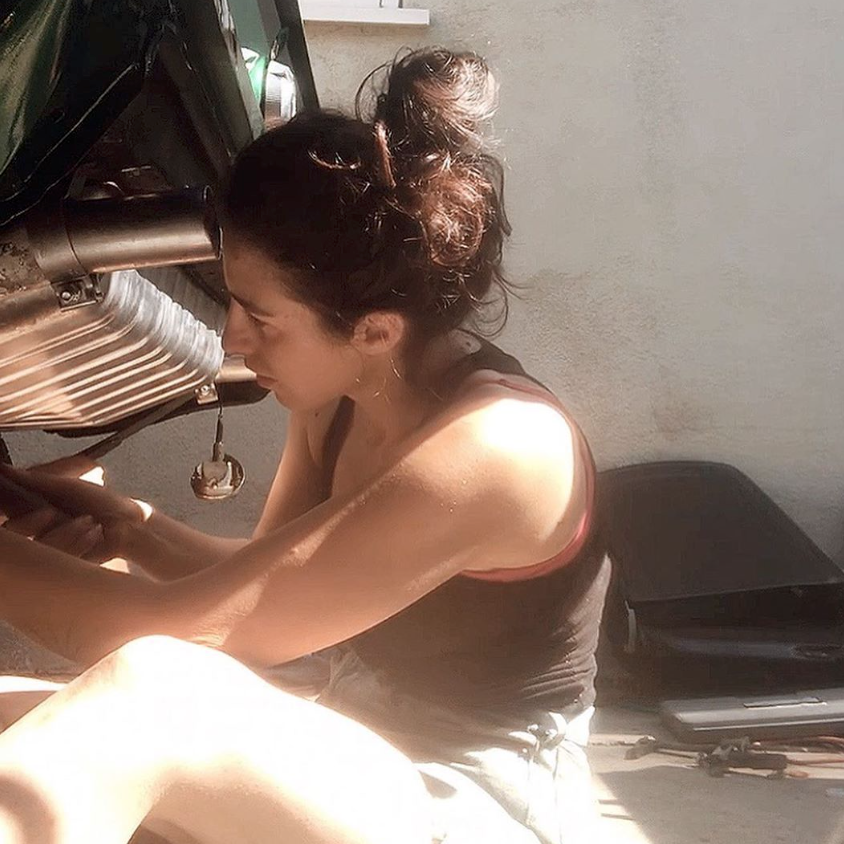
column 85, row 340
column 75, row 238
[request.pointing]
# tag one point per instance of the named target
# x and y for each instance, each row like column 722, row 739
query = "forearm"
column 77, row 610
column 167, row 549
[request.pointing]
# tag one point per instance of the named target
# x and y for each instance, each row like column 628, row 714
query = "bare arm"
column 109, row 525
column 163, row 547
column 297, row 487
column 492, row 483
column 168, row 549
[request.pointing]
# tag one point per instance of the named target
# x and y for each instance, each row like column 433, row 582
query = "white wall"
column 676, row 189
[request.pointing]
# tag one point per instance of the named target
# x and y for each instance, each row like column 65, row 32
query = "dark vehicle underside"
column 118, row 123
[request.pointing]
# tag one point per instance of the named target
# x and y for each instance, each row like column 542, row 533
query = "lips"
column 258, row 375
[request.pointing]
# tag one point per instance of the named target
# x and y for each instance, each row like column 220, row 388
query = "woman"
column 431, row 518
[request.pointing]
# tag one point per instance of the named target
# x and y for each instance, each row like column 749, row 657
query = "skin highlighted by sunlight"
column 421, row 462
column 94, row 476
column 145, row 508
column 23, row 809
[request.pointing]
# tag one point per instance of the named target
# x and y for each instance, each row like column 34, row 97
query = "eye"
column 252, row 317
column 260, row 323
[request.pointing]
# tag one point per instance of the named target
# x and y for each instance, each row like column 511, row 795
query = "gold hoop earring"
column 381, row 390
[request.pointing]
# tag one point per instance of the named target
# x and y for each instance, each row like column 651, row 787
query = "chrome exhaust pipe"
column 75, row 238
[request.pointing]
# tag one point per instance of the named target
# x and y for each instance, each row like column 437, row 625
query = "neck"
column 388, row 405
column 388, row 408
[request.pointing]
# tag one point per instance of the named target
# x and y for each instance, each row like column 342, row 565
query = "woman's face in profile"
column 282, row 340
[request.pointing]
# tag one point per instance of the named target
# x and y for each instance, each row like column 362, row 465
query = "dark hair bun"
column 401, row 209
column 433, row 109
column 437, row 101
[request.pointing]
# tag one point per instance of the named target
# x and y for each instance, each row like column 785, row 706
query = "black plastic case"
column 715, row 589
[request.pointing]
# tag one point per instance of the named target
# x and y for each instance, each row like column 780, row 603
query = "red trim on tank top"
column 567, row 554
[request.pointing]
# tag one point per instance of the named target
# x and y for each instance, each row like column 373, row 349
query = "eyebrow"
column 251, row 306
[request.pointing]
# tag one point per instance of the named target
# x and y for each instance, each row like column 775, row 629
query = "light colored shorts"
column 491, row 783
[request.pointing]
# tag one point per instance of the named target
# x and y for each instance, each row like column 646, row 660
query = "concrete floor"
column 667, row 800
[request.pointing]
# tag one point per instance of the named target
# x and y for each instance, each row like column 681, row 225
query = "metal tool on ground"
column 649, row 744
column 740, row 754
column 718, row 760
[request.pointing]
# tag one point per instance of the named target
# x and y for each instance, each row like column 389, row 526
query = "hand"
column 88, row 520
column 81, row 536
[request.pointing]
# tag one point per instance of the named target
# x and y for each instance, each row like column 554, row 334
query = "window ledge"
column 335, row 13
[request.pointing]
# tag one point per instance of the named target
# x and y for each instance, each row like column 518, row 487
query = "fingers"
column 34, row 523
column 79, row 537
column 49, row 477
column 82, row 536
column 73, row 466
column 16, row 499
column 35, row 479
column 71, row 495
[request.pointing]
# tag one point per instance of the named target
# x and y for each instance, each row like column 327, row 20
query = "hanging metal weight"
column 220, row 477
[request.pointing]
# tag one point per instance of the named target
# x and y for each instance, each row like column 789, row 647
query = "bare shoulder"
column 517, row 415
column 509, row 423
column 517, row 453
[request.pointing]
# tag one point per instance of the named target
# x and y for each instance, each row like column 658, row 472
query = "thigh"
column 243, row 761
column 575, row 806
column 147, row 836
column 18, row 695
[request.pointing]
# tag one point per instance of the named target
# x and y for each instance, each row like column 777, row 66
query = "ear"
column 380, row 332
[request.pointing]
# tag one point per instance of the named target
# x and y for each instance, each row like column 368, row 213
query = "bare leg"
column 20, row 694
column 191, row 742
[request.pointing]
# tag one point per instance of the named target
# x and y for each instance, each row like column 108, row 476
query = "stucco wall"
column 676, row 191
column 676, row 188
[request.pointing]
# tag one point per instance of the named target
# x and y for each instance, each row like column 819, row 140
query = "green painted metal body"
column 69, row 68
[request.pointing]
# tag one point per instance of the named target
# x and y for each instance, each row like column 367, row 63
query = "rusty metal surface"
column 143, row 344
column 18, row 268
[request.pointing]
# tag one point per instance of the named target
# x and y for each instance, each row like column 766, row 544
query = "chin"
column 281, row 397
column 292, row 402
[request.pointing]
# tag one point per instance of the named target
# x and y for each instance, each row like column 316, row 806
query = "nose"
column 236, row 334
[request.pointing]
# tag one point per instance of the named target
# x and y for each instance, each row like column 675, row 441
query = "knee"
column 147, row 652
column 159, row 662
